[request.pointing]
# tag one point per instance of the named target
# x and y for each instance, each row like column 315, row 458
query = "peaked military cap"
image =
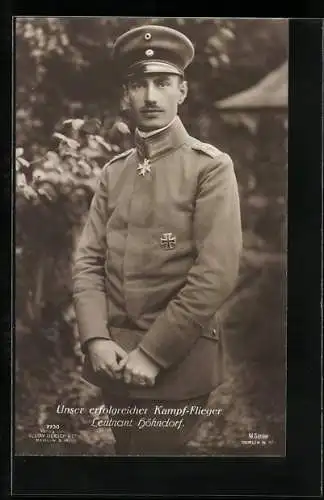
column 152, row 49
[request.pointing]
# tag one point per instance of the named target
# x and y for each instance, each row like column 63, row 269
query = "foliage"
column 68, row 124
column 55, row 191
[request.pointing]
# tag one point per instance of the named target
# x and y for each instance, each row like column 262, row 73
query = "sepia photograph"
column 151, row 190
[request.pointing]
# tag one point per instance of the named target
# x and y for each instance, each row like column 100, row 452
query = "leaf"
column 227, row 33
column 92, row 142
column 38, row 175
column 101, row 141
column 215, row 42
column 52, row 43
column 53, row 177
column 37, row 53
column 59, row 126
column 53, row 161
column 64, row 39
column 72, row 143
column 29, row 193
column 23, row 162
column 122, row 127
column 48, row 165
column 42, row 415
column 96, row 171
column 52, row 155
column 67, row 180
column 21, row 180
column 91, row 183
column 91, row 126
column 66, row 151
column 85, row 167
column 213, row 61
column 76, row 123
column 224, row 58
column 251, row 181
column 79, row 193
column 58, row 135
column 19, row 152
column 69, row 314
column 18, row 252
column 257, row 201
column 48, row 191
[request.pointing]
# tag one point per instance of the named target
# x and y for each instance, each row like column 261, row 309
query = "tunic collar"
column 157, row 144
column 145, row 135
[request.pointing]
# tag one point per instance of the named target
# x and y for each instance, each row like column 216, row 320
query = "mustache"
column 150, row 108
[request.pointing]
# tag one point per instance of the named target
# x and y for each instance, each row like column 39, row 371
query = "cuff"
column 85, row 345
column 153, row 357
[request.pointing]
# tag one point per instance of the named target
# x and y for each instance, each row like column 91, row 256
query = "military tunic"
column 157, row 257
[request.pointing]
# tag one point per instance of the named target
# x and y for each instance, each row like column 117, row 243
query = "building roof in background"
column 269, row 93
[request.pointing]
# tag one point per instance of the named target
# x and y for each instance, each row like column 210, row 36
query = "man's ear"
column 183, row 91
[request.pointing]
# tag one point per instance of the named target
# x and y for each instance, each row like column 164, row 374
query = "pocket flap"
column 211, row 333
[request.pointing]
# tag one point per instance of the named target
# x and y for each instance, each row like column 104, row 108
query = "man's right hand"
column 105, row 356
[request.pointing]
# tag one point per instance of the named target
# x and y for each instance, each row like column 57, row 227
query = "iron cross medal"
column 144, row 168
column 168, row 241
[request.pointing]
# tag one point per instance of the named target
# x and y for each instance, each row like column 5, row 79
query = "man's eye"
column 136, row 85
column 163, row 83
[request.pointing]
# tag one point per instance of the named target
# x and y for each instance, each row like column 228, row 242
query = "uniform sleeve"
column 218, row 239
column 88, row 273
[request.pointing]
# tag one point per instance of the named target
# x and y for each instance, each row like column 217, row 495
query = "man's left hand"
column 139, row 369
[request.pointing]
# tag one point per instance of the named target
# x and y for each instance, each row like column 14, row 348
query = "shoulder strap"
column 119, row 156
column 206, row 148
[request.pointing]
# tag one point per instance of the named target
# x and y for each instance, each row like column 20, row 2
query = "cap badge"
column 168, row 241
column 147, row 36
column 144, row 168
column 149, row 52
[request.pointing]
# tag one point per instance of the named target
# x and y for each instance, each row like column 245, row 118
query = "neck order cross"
column 144, row 167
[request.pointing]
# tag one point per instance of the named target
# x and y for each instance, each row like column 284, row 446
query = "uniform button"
column 149, row 52
column 147, row 36
column 214, row 332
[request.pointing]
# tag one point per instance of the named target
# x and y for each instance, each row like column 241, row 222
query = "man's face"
column 154, row 99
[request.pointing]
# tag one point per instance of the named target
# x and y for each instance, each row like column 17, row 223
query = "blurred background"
column 69, row 122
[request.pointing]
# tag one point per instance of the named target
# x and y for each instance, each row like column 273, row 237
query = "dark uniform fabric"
column 158, row 256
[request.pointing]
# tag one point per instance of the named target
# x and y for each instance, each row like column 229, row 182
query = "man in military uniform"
column 158, row 256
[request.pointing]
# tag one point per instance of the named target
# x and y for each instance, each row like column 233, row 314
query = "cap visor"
column 145, row 67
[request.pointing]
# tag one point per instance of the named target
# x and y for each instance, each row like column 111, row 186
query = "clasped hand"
column 134, row 367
